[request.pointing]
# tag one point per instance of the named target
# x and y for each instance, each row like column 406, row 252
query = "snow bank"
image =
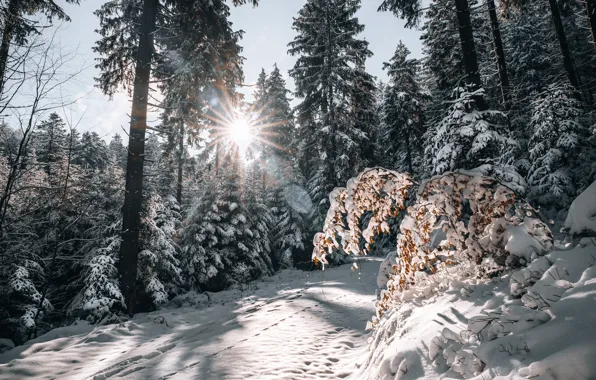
column 534, row 323
column 581, row 218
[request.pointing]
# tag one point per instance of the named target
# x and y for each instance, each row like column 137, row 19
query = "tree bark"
column 180, row 164
column 131, row 211
column 466, row 36
column 591, row 9
column 7, row 35
column 565, row 50
column 499, row 52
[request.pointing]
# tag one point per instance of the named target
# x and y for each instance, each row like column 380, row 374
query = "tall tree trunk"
column 131, row 211
column 7, row 34
column 330, row 103
column 466, row 36
column 180, row 164
column 567, row 60
column 499, row 52
column 591, row 9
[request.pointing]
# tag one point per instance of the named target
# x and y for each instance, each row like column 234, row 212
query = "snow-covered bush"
column 484, row 223
column 581, row 218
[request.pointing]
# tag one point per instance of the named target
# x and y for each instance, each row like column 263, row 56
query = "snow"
column 463, row 327
column 293, row 325
column 582, row 213
column 533, row 322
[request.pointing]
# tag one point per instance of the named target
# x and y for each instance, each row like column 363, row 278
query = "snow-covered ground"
column 296, row 325
column 535, row 323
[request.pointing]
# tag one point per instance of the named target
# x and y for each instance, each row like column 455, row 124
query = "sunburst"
column 242, row 127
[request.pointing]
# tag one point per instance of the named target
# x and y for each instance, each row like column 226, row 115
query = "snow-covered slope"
column 537, row 323
column 294, row 326
column 581, row 218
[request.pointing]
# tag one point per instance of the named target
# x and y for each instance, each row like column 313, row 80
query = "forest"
column 489, row 137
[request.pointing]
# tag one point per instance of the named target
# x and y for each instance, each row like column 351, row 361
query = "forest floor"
column 293, row 325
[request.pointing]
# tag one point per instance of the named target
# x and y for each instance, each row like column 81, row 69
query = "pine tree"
column 329, row 63
column 555, row 146
column 159, row 265
column 465, row 28
column 279, row 117
column 261, row 219
column 401, row 112
column 118, row 151
column 468, row 137
column 92, row 152
column 98, row 296
column 51, row 141
column 217, row 239
column 528, row 35
column 363, row 116
column 129, row 30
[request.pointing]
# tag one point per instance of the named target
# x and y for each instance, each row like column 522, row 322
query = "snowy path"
column 292, row 327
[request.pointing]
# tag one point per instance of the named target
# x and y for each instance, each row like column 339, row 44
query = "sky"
column 268, row 30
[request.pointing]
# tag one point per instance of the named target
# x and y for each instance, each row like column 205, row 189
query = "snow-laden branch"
column 483, row 221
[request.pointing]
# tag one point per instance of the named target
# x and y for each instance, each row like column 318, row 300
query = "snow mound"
column 581, row 218
column 536, row 323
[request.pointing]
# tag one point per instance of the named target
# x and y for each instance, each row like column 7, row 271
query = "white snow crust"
column 533, row 323
column 293, row 325
column 582, row 213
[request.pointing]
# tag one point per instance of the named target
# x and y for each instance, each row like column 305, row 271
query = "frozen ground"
column 290, row 327
column 536, row 323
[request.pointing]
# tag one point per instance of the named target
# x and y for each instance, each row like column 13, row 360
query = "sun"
column 241, row 132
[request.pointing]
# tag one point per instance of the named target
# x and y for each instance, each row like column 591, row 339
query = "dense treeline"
column 97, row 230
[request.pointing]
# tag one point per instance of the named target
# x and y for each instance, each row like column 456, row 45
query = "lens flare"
column 241, row 132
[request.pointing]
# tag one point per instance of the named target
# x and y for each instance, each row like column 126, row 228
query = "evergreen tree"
column 51, row 141
column 118, row 151
column 330, row 61
column 556, row 143
column 130, row 30
column 92, row 152
column 468, row 137
column 402, row 116
column 279, row 130
column 363, row 116
column 217, row 240
column 99, row 296
column 159, row 265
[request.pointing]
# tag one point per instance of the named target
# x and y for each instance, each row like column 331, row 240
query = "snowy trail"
column 292, row 327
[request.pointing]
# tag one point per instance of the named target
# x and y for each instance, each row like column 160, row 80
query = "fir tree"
column 118, row 151
column 555, row 145
column 92, row 152
column 402, row 116
column 217, row 238
column 51, row 141
column 329, row 63
column 468, row 137
column 159, row 264
column 279, row 118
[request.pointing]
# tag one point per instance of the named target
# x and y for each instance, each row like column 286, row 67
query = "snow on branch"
column 485, row 223
column 380, row 192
